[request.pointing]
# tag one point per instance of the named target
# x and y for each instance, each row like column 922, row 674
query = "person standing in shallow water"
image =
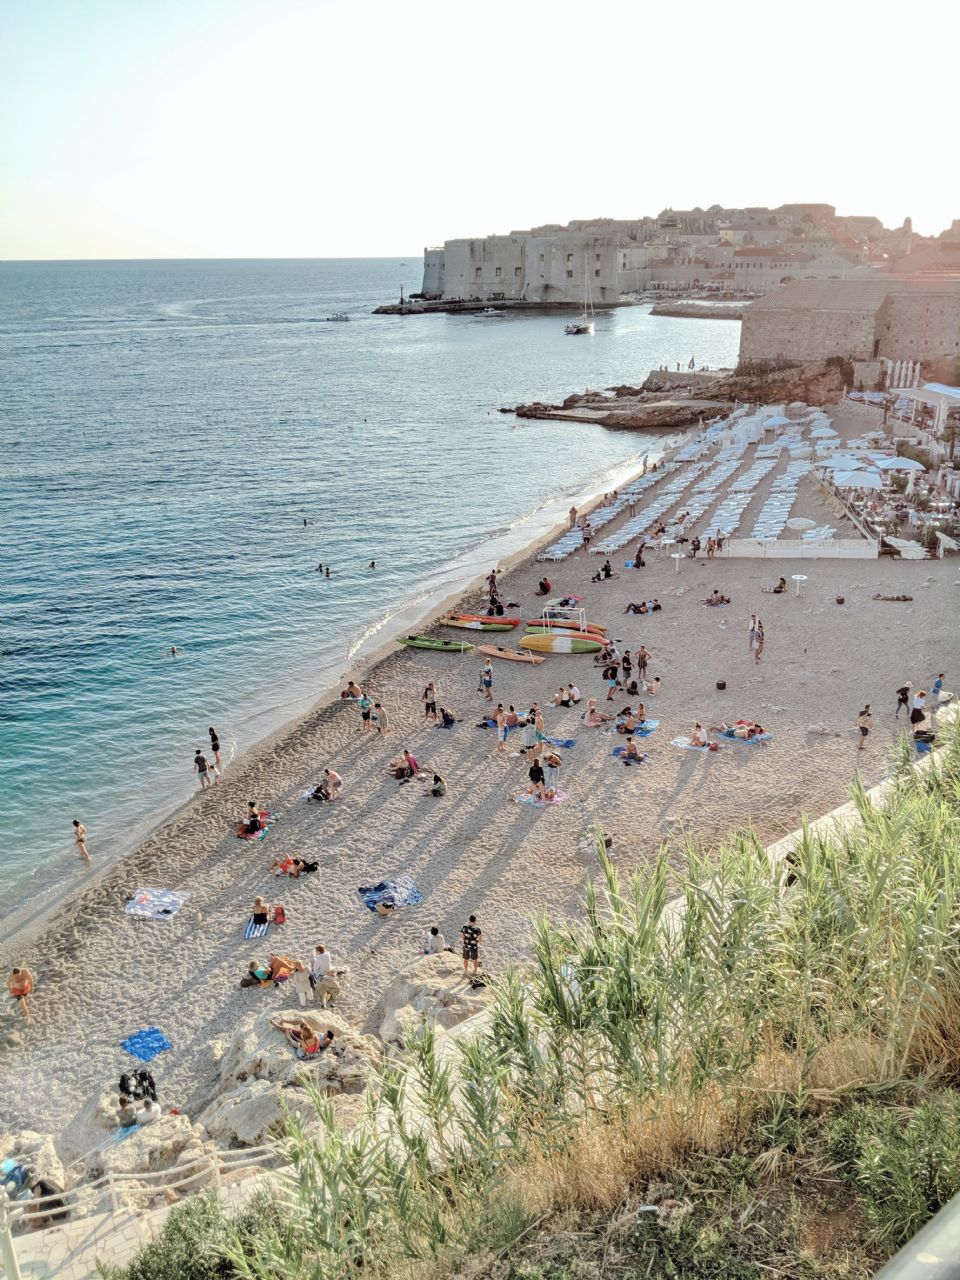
column 80, row 835
column 215, row 748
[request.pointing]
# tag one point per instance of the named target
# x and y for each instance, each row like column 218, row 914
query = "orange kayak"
column 492, row 619
column 495, row 651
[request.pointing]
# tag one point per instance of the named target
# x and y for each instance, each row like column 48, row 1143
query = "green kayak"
column 432, row 642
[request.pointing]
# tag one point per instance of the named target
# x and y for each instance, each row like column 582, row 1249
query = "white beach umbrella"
column 857, row 480
column 778, row 420
column 844, row 462
column 799, row 524
column 901, row 464
column 822, row 432
column 798, row 404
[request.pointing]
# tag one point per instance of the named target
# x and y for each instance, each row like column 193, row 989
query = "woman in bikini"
column 20, row 985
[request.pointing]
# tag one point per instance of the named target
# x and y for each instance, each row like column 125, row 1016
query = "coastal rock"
column 250, row 1113
column 429, row 990
column 257, row 1051
column 37, row 1152
column 262, row 1078
column 167, row 1143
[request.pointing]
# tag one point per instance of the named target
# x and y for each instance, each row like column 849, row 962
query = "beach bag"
column 721, row 684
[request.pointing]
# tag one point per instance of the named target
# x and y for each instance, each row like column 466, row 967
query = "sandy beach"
column 102, row 975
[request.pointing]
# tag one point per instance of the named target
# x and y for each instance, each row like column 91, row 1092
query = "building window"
column 497, row 272
column 569, row 275
column 569, row 257
column 596, row 274
column 516, row 273
column 596, row 257
column 541, row 259
column 479, row 273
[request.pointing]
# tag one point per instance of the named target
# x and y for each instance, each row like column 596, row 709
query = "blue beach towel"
column 252, row 930
column 146, row 1044
column 619, row 752
column 492, row 724
column 561, row 742
column 402, row 891
column 526, row 798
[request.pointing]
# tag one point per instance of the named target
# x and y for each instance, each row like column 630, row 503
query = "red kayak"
column 566, row 624
column 501, row 621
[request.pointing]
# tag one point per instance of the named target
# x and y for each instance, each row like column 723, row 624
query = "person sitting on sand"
column 715, row 598
column 632, row 753
column 438, row 789
column 252, row 823
column 607, row 570
column 386, row 907
column 282, row 866
column 261, row 912
column 652, row 686
column 593, row 718
column 543, row 587
column 574, row 694
column 447, row 718
column 331, row 785
column 628, row 724
column 698, row 738
column 778, row 590
column 560, row 698
column 306, row 1043
column 352, row 691
column 404, row 767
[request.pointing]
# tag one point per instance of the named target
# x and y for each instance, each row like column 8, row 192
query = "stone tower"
column 907, row 235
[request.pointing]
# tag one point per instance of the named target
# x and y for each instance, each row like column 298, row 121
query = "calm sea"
column 167, row 427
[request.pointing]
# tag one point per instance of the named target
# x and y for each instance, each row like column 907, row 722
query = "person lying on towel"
column 745, row 729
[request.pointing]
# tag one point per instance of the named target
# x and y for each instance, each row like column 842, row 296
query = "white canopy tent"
column 937, row 395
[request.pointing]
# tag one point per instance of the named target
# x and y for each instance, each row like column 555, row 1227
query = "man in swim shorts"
column 471, row 937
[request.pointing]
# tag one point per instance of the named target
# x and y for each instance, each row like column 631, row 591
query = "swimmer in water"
column 373, row 564
column 173, row 651
column 328, row 571
column 320, row 567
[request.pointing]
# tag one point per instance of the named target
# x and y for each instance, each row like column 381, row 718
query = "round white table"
column 798, row 579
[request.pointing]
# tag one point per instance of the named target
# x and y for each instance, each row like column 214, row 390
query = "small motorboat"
column 338, row 317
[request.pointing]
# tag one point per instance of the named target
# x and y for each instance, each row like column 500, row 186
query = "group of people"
column 208, row 770
column 318, row 983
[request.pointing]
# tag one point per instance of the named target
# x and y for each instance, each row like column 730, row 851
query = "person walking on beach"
column 643, row 657
column 752, row 632
column 215, row 748
column 201, row 769
column 429, row 701
column 486, row 680
column 903, row 699
column 864, row 724
column 20, row 984
column 383, row 720
column 471, row 936
column 492, row 582
column 759, row 640
column 80, row 836
column 573, row 517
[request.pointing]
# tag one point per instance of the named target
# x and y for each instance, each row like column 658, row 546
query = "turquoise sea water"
column 167, row 426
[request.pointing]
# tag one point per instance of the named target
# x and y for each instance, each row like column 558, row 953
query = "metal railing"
column 212, row 1166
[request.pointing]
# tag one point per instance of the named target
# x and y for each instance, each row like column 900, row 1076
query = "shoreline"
column 31, row 912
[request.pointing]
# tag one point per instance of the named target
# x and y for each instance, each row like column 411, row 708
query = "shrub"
column 906, row 1164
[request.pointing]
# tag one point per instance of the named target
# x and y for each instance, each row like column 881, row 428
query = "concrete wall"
column 794, row 549
column 919, row 326
column 807, row 335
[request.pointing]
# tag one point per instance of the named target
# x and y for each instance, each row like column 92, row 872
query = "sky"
column 306, row 128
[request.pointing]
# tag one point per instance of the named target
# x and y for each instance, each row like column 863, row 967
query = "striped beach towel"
column 255, row 930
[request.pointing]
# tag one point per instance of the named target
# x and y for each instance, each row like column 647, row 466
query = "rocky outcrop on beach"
column 677, row 398
column 429, row 991
column 261, row 1077
column 36, row 1152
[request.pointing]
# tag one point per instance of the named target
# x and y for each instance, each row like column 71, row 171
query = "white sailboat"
column 584, row 321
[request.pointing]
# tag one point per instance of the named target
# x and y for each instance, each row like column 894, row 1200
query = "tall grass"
column 679, row 1014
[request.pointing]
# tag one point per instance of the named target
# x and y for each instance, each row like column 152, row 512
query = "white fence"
column 795, row 549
